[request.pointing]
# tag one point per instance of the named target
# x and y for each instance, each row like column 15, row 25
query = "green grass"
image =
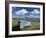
column 35, row 24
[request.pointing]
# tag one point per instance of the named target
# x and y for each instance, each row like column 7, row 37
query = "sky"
column 29, row 12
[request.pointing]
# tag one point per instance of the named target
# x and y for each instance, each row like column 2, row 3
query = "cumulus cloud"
column 35, row 11
column 34, row 14
column 21, row 12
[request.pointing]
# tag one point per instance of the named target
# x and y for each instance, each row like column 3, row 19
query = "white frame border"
column 25, row 32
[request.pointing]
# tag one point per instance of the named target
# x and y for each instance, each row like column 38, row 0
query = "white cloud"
column 35, row 11
column 21, row 12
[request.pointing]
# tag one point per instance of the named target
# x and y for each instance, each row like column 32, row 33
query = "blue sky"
column 25, row 11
